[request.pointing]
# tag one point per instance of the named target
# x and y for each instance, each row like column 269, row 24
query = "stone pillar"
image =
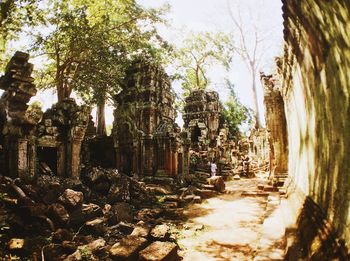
column 276, row 124
column 18, row 128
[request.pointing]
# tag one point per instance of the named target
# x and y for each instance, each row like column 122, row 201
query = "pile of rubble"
column 105, row 215
column 67, row 219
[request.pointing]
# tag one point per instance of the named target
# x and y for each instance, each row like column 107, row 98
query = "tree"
column 90, row 46
column 235, row 113
column 198, row 53
column 248, row 48
column 14, row 15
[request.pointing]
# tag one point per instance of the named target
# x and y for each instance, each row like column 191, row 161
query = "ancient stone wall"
column 316, row 90
column 202, row 118
column 32, row 142
column 59, row 138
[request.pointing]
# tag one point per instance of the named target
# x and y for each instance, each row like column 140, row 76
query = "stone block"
column 160, row 232
column 72, row 198
column 141, row 230
column 206, row 193
column 218, row 182
column 159, row 251
column 59, row 214
column 127, row 248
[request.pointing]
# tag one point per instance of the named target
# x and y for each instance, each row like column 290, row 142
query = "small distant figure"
column 213, row 168
column 246, row 164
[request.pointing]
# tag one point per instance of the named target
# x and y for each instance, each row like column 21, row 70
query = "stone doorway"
column 196, row 133
column 47, row 160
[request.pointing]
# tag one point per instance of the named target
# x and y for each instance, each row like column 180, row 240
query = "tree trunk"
column 101, row 120
column 255, row 99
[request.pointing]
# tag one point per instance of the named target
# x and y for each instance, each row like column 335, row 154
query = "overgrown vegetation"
column 199, row 52
column 235, row 113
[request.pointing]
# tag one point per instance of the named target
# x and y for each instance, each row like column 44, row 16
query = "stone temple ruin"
column 108, row 215
column 31, row 145
column 145, row 139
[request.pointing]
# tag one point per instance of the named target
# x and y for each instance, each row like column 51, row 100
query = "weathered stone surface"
column 85, row 252
column 148, row 214
column 141, row 230
column 59, row 214
column 127, row 248
column 205, row 193
column 94, row 222
column 120, row 212
column 145, row 122
column 315, row 93
column 72, row 198
column 197, row 199
column 125, row 228
column 236, row 177
column 218, row 182
column 169, row 204
column 207, row 186
column 85, row 213
column 160, row 251
column 16, row 243
column 160, row 232
column 173, row 198
column 61, row 235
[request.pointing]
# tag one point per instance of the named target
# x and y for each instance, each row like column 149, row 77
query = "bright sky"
column 213, row 15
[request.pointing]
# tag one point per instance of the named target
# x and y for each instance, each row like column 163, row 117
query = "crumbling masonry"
column 145, row 134
column 31, row 144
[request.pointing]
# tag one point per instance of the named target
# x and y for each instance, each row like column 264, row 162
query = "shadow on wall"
column 320, row 46
column 316, row 238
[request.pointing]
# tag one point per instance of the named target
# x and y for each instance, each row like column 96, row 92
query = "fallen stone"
column 270, row 189
column 125, row 228
column 218, row 182
column 236, row 177
column 72, row 198
column 261, row 186
column 61, row 235
column 206, row 193
column 160, row 232
column 159, row 251
column 158, row 190
column 195, row 227
column 207, row 186
column 188, row 198
column 59, row 214
column 171, row 198
column 94, row 222
column 96, row 245
column 121, row 212
column 282, row 192
column 16, row 243
column 197, row 199
column 170, row 204
column 141, row 230
column 85, row 213
column 127, row 248
column 69, row 247
column 86, row 252
column 148, row 214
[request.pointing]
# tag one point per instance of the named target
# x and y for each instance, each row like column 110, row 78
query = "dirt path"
column 234, row 227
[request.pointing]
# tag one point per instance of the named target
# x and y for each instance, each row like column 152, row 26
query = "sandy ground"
column 234, row 227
